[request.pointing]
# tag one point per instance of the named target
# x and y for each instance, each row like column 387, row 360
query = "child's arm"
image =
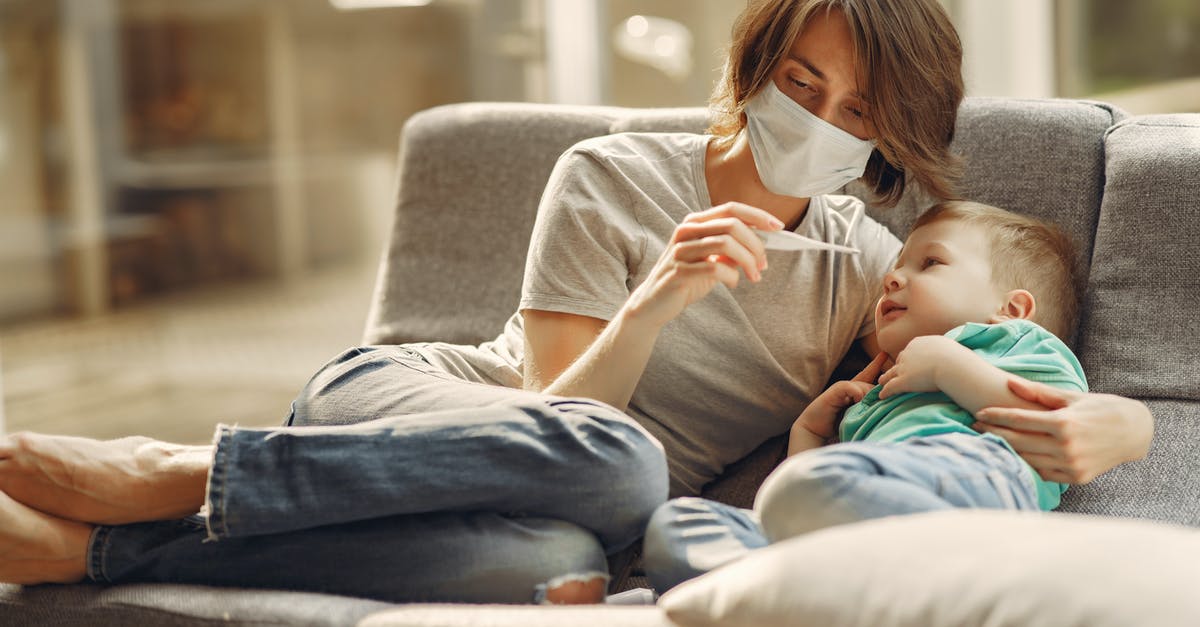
column 933, row 363
column 818, row 422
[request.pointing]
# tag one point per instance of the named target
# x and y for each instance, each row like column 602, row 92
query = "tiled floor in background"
column 174, row 367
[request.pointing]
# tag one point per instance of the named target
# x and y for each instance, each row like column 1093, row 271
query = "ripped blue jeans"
column 395, row 481
column 833, row 485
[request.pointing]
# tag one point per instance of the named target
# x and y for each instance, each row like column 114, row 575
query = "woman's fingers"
column 722, row 272
column 1059, row 475
column 720, row 248
column 1042, row 452
column 871, row 373
column 727, row 239
column 736, row 220
column 854, row 390
column 708, row 247
column 737, row 232
column 1029, row 420
column 1040, row 393
column 1051, row 470
column 1077, row 436
column 753, row 216
column 1026, row 442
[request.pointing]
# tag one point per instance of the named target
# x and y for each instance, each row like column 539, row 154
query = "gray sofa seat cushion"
column 1163, row 486
column 1139, row 332
column 170, row 605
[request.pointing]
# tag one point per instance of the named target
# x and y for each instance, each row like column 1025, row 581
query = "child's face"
column 942, row 279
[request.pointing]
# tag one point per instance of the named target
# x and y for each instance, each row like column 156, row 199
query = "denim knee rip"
column 540, row 591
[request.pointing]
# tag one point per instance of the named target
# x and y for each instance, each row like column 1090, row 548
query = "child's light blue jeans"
column 369, row 492
column 834, row 485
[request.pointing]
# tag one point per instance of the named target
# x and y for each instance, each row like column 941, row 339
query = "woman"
column 446, row 489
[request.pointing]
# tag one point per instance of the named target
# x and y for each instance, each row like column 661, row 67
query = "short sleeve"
column 1027, row 350
column 585, row 238
column 880, row 249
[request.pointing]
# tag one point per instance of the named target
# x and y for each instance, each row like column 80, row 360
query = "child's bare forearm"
column 973, row 383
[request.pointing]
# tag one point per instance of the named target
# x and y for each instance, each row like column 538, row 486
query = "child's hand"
column 916, row 368
column 821, row 416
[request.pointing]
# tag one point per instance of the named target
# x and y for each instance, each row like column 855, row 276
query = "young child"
column 977, row 297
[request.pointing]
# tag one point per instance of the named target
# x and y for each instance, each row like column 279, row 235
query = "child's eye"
column 929, row 261
column 855, row 112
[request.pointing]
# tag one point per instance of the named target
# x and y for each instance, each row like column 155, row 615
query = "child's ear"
column 1017, row 304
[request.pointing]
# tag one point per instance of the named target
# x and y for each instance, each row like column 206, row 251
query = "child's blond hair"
column 1026, row 254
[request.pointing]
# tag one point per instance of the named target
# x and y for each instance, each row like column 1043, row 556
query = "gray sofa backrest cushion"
column 1040, row 157
column 1143, row 298
column 471, row 176
column 1138, row 331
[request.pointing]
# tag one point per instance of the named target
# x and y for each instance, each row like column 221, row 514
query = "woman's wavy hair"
column 910, row 58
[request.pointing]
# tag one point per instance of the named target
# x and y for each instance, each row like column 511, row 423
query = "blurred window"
column 665, row 53
column 1142, row 55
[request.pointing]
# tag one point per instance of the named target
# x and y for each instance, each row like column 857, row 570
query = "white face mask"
column 797, row 153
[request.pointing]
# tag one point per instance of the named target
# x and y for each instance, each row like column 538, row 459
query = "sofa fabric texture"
column 1142, row 297
column 1137, row 333
column 167, row 605
column 470, row 177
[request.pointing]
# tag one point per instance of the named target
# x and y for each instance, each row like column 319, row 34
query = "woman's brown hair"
column 910, row 58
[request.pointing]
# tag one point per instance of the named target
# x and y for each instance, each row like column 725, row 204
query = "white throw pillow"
column 958, row 568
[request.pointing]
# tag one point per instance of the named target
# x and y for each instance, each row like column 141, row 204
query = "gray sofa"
column 1126, row 188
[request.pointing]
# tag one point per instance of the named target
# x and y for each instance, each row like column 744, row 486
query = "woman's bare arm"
column 571, row 355
column 553, row 341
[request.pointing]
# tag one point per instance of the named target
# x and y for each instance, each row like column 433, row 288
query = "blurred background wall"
column 156, row 148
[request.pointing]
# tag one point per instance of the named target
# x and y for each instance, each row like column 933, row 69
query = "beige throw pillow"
column 958, row 568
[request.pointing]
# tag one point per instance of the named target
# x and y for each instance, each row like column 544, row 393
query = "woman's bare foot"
column 104, row 482
column 39, row 548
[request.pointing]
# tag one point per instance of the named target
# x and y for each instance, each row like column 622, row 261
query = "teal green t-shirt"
column 1019, row 347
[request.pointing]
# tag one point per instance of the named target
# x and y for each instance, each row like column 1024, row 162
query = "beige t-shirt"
column 736, row 367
